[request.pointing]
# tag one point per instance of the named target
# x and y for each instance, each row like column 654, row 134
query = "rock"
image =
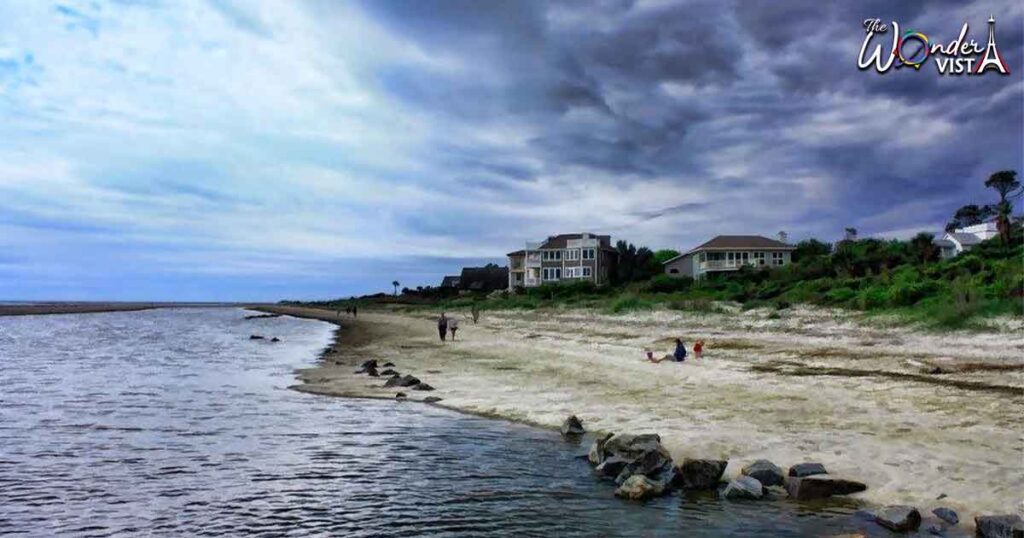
column 821, row 487
column 389, row 372
column 372, row 372
column 807, row 469
column 432, row 399
column 899, row 518
column 638, row 488
column 572, row 427
column 400, row 395
column 409, row 381
column 255, row 337
column 654, row 463
column 372, row 363
column 937, row 530
column 611, row 467
column 744, row 487
column 631, row 446
column 275, row 339
column 947, row 515
column 422, row 386
column 596, row 454
column 699, row 474
column 1005, row 526
column 394, row 381
column 389, row 364
column 765, row 472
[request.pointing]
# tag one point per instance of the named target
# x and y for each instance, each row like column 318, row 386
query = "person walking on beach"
column 453, row 325
column 680, row 353
column 442, row 326
column 354, row 312
column 698, row 349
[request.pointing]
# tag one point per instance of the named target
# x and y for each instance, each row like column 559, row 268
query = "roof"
column 736, row 242
column 943, row 243
column 450, row 281
column 517, row 253
column 562, row 240
column 487, row 278
column 965, row 239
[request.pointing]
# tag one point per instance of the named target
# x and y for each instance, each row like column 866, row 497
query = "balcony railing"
column 719, row 265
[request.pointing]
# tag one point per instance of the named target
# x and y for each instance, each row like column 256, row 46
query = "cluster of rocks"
column 642, row 469
column 261, row 337
column 395, row 379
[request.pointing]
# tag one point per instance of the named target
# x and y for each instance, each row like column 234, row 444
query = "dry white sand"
column 814, row 385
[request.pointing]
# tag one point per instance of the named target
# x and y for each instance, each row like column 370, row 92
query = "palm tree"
column 395, row 284
column 1004, row 182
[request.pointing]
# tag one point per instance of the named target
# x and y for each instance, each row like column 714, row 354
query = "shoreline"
column 51, row 308
column 516, row 366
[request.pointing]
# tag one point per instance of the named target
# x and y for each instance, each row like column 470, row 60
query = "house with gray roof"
column 961, row 240
column 727, row 253
column 563, row 258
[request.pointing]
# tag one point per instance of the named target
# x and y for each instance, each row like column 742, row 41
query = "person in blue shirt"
column 680, row 353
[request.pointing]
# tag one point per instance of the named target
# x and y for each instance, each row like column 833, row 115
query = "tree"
column 634, row 263
column 923, row 247
column 395, row 284
column 811, row 248
column 969, row 215
column 664, row 255
column 1004, row 182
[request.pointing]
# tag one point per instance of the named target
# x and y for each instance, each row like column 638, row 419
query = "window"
column 777, row 258
column 588, row 254
column 552, row 273
column 758, row 258
column 572, row 254
column 586, row 271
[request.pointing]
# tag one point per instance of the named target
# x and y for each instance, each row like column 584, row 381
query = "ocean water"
column 174, row 423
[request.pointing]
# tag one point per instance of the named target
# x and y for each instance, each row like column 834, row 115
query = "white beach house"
column 729, row 253
column 963, row 239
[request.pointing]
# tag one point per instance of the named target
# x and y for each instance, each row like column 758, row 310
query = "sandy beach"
column 802, row 385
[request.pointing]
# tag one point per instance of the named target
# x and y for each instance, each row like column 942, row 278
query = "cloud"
column 229, row 148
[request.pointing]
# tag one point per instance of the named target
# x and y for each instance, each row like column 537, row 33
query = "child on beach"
column 698, row 349
column 442, row 326
column 453, row 325
column 679, row 355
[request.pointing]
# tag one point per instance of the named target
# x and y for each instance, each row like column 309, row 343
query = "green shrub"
column 667, row 284
column 841, row 295
column 629, row 302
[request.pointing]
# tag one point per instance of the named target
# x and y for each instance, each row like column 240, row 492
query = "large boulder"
column 611, row 467
column 389, row 372
column 899, row 518
column 597, row 454
column 409, row 381
column 699, row 474
column 807, row 469
column 744, row 487
column 766, row 472
column 372, row 363
column 422, row 386
column 654, row 463
column 631, row 446
column 1006, row 526
column 638, row 488
column 393, row 381
column 946, row 514
column 572, row 427
column 820, row 487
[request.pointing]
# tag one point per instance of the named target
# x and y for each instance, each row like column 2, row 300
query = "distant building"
column 450, row 282
column 486, row 279
column 727, row 253
column 563, row 258
column 960, row 240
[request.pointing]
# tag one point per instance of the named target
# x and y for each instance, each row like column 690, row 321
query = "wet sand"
column 812, row 385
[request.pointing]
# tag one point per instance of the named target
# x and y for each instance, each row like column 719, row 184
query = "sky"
column 264, row 150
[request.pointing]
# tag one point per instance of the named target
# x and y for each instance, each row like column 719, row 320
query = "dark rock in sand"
column 255, row 337
column 899, row 518
column 389, row 372
column 1006, row 526
column 638, row 488
column 372, row 372
column 275, row 339
column 821, row 487
column 422, row 386
column 611, row 467
column 572, row 426
column 432, row 399
column 409, row 381
column 947, row 515
column 389, row 364
column 394, row 381
column 766, row 472
column 699, row 474
column 372, row 363
column 807, row 469
column 744, row 487
column 596, row 454
column 400, row 395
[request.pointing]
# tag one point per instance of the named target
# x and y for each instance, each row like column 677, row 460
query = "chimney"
column 783, row 236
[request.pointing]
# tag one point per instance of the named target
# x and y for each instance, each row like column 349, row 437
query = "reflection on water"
column 173, row 422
